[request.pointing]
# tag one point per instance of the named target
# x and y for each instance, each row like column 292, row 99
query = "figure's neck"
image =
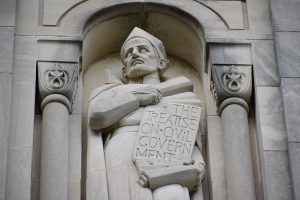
column 147, row 79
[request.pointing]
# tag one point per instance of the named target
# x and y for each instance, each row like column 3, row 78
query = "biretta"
column 155, row 42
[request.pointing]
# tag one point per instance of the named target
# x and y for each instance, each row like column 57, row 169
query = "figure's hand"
column 200, row 175
column 147, row 95
column 143, row 181
column 200, row 172
column 189, row 175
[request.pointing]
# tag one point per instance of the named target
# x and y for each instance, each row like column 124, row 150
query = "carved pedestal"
column 232, row 89
column 57, row 84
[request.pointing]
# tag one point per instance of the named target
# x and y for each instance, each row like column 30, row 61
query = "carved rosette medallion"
column 58, row 78
column 231, row 81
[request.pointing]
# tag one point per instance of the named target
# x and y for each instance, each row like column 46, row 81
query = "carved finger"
column 143, row 181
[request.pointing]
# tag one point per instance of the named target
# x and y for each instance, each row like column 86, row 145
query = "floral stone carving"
column 231, row 81
column 57, row 78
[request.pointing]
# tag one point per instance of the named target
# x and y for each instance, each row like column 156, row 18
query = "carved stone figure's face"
column 140, row 58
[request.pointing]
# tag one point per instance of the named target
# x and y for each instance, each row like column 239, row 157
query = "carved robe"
column 122, row 175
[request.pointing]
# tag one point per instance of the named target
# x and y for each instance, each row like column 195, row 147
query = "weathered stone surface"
column 74, row 190
column 259, row 16
column 288, row 53
column 269, row 118
column 3, row 158
column 6, row 47
column 36, row 157
column 37, row 140
column 94, row 185
column 294, row 154
column 18, row 181
column 264, row 65
column 5, row 99
column 54, row 152
column 58, row 50
column 291, row 99
column 231, row 54
column 285, row 15
column 163, row 25
column 185, row 141
column 208, row 19
column 236, row 36
column 216, row 159
column 25, row 57
column 231, row 81
column 75, row 148
column 230, row 11
column 27, row 14
column 53, row 10
column 95, row 162
column 22, row 116
column 77, row 104
column 237, row 152
column 57, row 78
column 7, row 10
column 124, row 106
column 277, row 176
column 210, row 102
column 35, row 189
column 73, row 21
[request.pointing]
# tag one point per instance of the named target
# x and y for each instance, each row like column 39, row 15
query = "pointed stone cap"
column 155, row 42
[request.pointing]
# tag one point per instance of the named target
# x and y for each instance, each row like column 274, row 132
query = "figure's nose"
column 135, row 53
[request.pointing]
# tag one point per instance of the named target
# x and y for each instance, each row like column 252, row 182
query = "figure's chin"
column 139, row 71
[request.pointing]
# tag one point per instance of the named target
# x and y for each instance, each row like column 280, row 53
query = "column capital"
column 57, row 79
column 231, row 82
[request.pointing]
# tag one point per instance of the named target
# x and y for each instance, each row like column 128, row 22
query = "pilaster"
column 232, row 88
column 57, row 88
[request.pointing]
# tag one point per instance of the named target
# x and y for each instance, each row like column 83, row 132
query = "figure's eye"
column 128, row 53
column 143, row 50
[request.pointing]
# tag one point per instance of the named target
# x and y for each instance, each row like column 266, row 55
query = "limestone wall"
column 257, row 33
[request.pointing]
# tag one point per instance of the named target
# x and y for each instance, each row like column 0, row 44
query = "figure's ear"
column 124, row 72
column 124, row 75
column 163, row 65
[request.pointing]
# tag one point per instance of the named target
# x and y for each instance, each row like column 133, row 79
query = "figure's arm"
column 104, row 112
column 199, row 164
column 107, row 109
column 175, row 85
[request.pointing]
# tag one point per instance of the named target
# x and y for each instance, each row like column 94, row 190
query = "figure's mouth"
column 136, row 62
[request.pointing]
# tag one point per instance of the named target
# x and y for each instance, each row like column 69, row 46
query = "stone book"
column 166, row 136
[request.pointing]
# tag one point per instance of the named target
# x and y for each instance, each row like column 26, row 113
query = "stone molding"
column 231, row 82
column 58, row 81
column 233, row 100
column 56, row 98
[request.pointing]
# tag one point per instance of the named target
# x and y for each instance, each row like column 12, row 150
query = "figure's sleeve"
column 199, row 162
column 187, row 98
column 107, row 107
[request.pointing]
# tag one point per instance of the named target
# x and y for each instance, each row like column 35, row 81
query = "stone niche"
column 103, row 36
column 220, row 69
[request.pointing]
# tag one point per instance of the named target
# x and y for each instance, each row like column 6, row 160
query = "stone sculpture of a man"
column 116, row 110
